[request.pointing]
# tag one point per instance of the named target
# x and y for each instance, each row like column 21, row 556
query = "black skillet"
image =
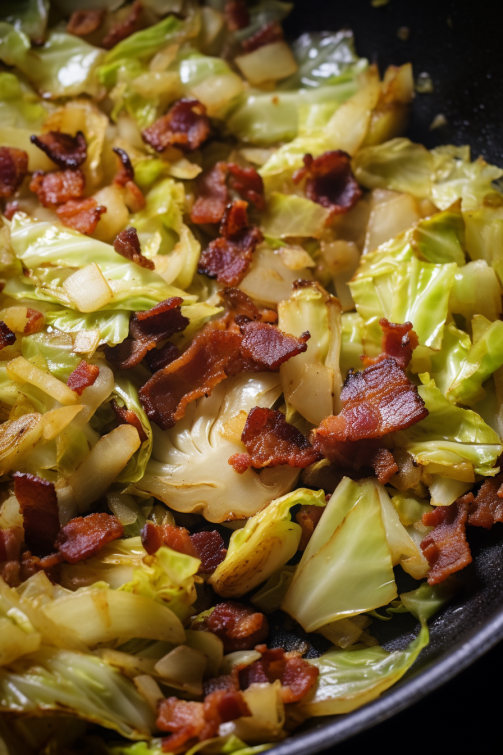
column 459, row 45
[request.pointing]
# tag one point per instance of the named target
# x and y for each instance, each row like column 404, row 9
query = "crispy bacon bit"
column 123, row 29
column 13, row 169
column 270, row 440
column 157, row 359
column 84, row 22
column 212, row 195
column 239, row 304
column 227, row 258
column 208, row 547
column 445, row 546
column 7, row 337
column 296, row 675
column 126, row 170
column 83, row 536
column 39, row 506
column 185, row 126
column 266, row 35
column 236, row 15
column 10, row 543
column 383, row 463
column 487, row 507
column 127, row 416
column 239, row 627
column 83, row 376
column 127, row 244
column 330, row 181
column 268, row 346
column 11, row 208
column 81, row 214
column 308, row 517
column 18, row 570
column 65, row 150
column 34, row 321
column 248, row 184
column 398, row 342
column 127, row 354
column 57, row 187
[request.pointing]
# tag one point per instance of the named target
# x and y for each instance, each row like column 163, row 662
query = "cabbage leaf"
column 485, row 356
column 127, row 395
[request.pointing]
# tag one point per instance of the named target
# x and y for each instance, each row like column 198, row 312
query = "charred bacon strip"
column 212, row 195
column 127, row 354
column 267, row 347
column 398, row 342
column 13, row 169
column 83, row 537
column 39, row 507
column 239, row 627
column 123, row 29
column 159, row 358
column 84, row 22
column 445, row 546
column 81, row 214
column 266, row 35
column 308, row 518
column 236, row 15
column 185, row 126
column 7, row 337
column 296, row 675
column 487, row 507
column 270, row 440
column 127, row 244
column 239, row 304
column 126, row 170
column 248, row 184
column 65, row 150
column 208, row 547
column 83, row 376
column 127, row 416
column 330, row 181
column 57, row 187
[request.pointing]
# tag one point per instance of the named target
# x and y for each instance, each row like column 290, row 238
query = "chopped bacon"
column 208, row 547
column 65, row 150
column 127, row 354
column 270, row 440
column 11, row 208
column 487, row 507
column 127, row 416
column 126, row 170
column 39, row 507
column 330, row 181
column 123, row 29
column 84, row 22
column 185, row 126
column 18, row 570
column 224, row 705
column 239, row 627
column 236, row 15
column 228, row 257
column 224, row 681
column 239, row 304
column 398, row 342
column 13, row 169
column 83, row 536
column 159, row 358
column 83, row 376
column 7, row 337
column 57, row 187
column 127, row 244
column 266, row 35
column 296, row 675
column 81, row 214
column 248, row 184
column 308, row 517
column 212, row 195
column 383, row 463
column 445, row 546
column 10, row 543
column 34, row 321
column 269, row 347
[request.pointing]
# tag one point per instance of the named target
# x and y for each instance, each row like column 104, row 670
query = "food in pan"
column 250, row 374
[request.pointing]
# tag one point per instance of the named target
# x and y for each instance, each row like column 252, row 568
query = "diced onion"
column 269, row 280
column 217, row 91
column 295, row 257
column 88, row 289
column 183, row 668
column 348, row 126
column 269, row 63
column 10, row 514
column 93, row 396
column 391, row 213
column 267, row 715
column 184, row 169
column 57, row 419
column 86, row 341
column 212, row 23
column 212, row 647
column 17, row 438
column 16, row 319
column 149, row 690
column 20, row 370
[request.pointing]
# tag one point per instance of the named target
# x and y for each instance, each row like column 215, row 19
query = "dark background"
column 460, row 45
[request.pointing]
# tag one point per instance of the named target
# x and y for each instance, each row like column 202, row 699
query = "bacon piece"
column 296, row 675
column 126, row 170
column 83, row 537
column 127, row 354
column 270, row 440
column 487, row 507
column 185, row 126
column 7, row 337
column 81, row 214
column 11, row 208
column 268, row 347
column 65, row 150
column 127, row 416
column 445, row 546
column 398, row 342
column 123, row 29
column 224, row 705
column 208, row 547
column 239, row 627
column 239, row 304
column 383, row 463
column 127, row 244
column 83, row 376
column 84, row 22
column 228, row 257
column 212, row 195
column 39, row 507
column 266, row 35
column 34, row 321
column 159, row 358
column 236, row 15
column 308, row 517
column 226, row 682
column 13, row 169
column 57, row 187
column 330, row 181
column 248, row 184
column 10, row 543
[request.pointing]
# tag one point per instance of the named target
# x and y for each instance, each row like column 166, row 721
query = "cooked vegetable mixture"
column 251, row 361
